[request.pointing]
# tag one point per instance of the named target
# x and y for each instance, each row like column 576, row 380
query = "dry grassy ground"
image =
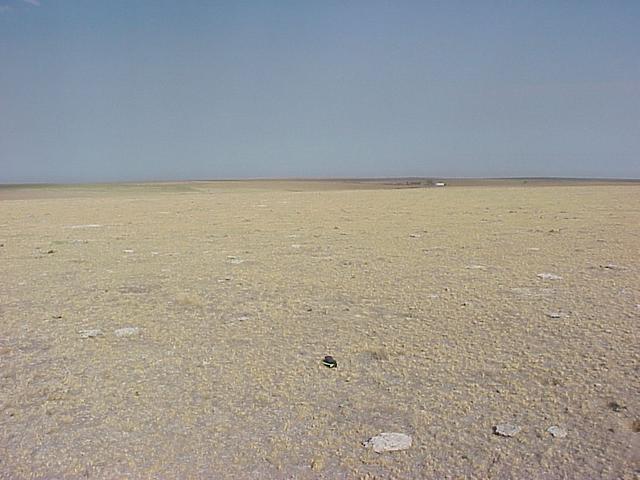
column 428, row 298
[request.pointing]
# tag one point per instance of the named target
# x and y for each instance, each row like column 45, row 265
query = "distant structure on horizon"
column 441, row 184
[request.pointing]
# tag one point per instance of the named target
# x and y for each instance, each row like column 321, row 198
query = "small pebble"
column 127, row 331
column 557, row 432
column 506, row 430
column 90, row 333
column 616, row 407
column 329, row 361
column 549, row 276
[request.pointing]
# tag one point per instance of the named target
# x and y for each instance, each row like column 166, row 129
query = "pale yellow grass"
column 429, row 300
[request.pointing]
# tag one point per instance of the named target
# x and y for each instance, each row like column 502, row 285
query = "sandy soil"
column 428, row 298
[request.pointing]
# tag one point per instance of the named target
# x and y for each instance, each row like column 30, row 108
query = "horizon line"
column 321, row 179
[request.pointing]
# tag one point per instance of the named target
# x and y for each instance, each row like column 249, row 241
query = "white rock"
column 506, row 430
column 613, row 266
column 88, row 225
column 389, row 442
column 549, row 276
column 553, row 314
column 127, row 331
column 476, row 267
column 90, row 333
column 557, row 431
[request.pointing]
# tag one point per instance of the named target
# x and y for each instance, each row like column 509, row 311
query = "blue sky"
column 140, row 90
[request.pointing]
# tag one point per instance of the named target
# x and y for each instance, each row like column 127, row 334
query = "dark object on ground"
column 51, row 251
column 616, row 407
column 329, row 361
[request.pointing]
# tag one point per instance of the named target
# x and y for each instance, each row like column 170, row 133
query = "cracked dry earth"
column 210, row 307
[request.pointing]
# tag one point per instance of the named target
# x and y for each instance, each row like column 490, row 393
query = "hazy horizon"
column 144, row 91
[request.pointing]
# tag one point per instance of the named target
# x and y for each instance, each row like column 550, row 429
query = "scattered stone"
column 295, row 245
column 128, row 251
column 414, row 235
column 506, row 430
column 549, row 276
column 557, row 431
column 389, row 442
column 90, row 333
column 89, row 225
column 49, row 252
column 57, row 317
column 554, row 314
column 133, row 289
column 616, row 407
column 612, row 266
column 476, row 267
column 234, row 260
column 127, row 331
column 329, row 361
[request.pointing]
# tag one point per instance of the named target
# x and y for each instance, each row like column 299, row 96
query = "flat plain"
column 177, row 330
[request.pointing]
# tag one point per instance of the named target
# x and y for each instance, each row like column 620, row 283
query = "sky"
column 115, row 90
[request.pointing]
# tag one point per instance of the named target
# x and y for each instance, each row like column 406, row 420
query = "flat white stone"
column 90, row 333
column 549, row 276
column 557, row 431
column 127, row 331
column 613, row 266
column 389, row 442
column 88, row 225
column 506, row 430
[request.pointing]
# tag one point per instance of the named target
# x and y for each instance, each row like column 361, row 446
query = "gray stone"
column 389, row 442
column 90, row 333
column 557, row 431
column 127, row 331
column 506, row 430
column 549, row 276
